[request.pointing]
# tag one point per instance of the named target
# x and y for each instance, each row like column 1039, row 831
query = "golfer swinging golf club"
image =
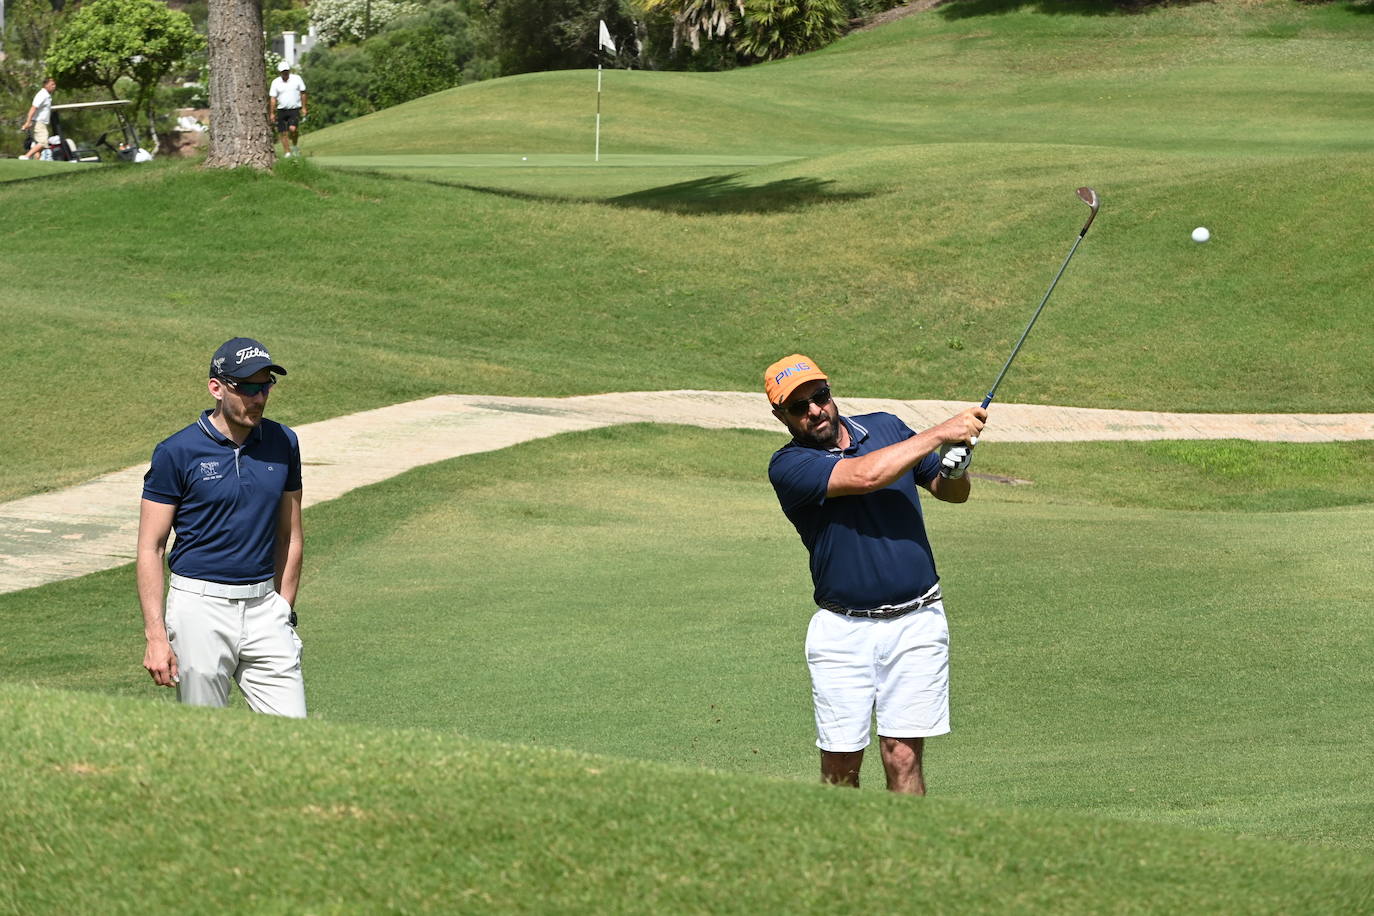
column 878, row 640
column 230, row 483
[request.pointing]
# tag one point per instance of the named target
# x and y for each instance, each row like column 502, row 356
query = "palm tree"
column 773, row 29
column 694, row 20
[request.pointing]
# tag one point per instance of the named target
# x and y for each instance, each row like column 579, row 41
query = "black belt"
column 884, row 613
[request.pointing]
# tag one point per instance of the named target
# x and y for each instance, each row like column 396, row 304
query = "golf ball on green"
column 1200, row 234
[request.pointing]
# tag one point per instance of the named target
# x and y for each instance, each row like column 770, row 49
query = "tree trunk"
column 239, row 132
column 152, row 131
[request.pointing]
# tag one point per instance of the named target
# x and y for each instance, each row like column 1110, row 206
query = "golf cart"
column 120, row 141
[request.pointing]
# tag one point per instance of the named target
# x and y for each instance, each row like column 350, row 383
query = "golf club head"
column 1089, row 197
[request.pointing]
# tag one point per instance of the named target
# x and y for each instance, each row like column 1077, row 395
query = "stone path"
column 92, row 526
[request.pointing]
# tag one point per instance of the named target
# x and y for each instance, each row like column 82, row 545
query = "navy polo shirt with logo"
column 870, row 549
column 228, row 498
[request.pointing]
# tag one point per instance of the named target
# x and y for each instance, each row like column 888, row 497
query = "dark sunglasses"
column 249, row 389
column 800, row 408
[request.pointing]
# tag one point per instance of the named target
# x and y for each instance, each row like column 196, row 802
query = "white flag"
column 606, row 37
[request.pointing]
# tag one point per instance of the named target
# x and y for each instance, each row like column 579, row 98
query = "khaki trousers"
column 246, row 639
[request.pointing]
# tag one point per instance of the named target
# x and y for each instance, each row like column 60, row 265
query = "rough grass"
column 123, row 807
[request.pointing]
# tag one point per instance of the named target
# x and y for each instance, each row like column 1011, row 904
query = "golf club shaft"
column 1089, row 197
column 1026, row 333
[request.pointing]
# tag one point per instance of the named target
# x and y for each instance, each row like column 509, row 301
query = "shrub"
column 409, row 63
column 340, row 80
column 296, row 19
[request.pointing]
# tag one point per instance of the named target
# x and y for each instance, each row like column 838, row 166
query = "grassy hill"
column 1270, row 77
column 929, row 205
column 376, row 290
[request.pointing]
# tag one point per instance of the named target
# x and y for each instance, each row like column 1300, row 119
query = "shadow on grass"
column 715, row 194
column 966, row 9
column 724, row 194
column 67, row 171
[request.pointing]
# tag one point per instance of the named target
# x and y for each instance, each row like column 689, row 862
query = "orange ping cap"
column 783, row 377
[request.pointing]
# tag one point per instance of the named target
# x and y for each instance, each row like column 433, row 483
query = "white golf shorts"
column 897, row 668
column 248, row 640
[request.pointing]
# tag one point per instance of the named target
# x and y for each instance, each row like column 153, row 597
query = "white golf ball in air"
column 524, row 158
column 1200, row 234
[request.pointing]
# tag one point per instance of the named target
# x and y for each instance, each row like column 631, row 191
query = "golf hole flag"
column 606, row 44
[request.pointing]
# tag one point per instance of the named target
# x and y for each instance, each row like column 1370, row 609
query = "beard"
column 830, row 439
column 242, row 415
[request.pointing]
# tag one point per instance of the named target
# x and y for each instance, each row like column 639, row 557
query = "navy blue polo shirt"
column 866, row 550
column 228, row 498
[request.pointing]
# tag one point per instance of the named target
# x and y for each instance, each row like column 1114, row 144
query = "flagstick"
column 598, row 108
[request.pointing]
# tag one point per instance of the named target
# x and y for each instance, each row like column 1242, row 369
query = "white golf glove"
column 954, row 460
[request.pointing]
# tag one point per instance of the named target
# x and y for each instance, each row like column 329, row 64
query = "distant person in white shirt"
column 289, row 104
column 40, row 113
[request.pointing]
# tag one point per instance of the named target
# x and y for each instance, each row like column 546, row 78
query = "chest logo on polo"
column 209, row 470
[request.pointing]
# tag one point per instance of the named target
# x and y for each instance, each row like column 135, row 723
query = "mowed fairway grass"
column 568, row 675
column 633, row 594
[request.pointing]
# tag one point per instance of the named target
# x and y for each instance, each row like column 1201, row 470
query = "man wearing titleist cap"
column 878, row 641
column 230, row 485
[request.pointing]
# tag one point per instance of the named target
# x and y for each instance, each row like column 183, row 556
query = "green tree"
column 463, row 27
column 443, row 45
column 340, row 84
column 755, row 29
column 293, row 19
column 698, row 20
column 107, row 40
column 773, row 29
column 409, row 63
column 533, row 35
column 338, row 21
column 30, row 26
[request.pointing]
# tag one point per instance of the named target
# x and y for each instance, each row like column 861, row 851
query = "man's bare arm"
column 154, row 527
column 881, row 468
column 290, row 546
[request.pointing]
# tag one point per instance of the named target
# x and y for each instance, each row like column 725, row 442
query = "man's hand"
column 958, row 435
column 962, row 428
column 161, row 663
column 954, row 460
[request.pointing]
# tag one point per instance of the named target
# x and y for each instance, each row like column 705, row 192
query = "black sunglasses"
column 800, row 408
column 249, row 389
